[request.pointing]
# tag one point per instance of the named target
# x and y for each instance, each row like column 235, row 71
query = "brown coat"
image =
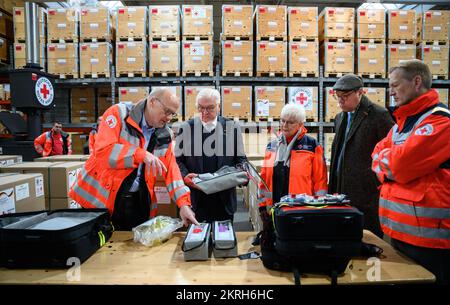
column 370, row 125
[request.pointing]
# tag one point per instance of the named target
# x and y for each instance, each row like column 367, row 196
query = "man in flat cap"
column 359, row 127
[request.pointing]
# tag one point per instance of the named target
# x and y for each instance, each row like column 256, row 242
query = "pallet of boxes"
column 269, row 101
column 96, row 36
column 62, row 38
column 237, row 40
column 197, row 40
column 303, row 42
column 336, row 36
column 164, row 40
column 132, row 95
column 434, row 47
column 6, row 36
column 371, row 46
column 19, row 37
column 402, row 37
column 271, row 40
column 131, row 41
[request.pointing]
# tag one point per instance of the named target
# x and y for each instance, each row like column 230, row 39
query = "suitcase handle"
column 323, row 248
column 298, row 220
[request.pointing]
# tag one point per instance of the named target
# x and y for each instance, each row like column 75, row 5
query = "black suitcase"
column 312, row 239
column 49, row 239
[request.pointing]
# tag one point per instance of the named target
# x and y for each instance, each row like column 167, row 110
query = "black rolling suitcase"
column 49, row 239
column 312, row 239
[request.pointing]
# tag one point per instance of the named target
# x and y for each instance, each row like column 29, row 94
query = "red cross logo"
column 44, row 91
column 196, row 13
column 194, row 50
column 301, row 98
column 111, row 121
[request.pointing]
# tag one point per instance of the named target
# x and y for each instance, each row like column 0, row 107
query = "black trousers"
column 131, row 208
column 437, row 261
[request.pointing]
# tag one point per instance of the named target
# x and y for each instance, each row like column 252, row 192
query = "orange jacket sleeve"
column 39, row 143
column 319, row 172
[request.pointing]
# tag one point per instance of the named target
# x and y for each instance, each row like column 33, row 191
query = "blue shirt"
column 147, row 131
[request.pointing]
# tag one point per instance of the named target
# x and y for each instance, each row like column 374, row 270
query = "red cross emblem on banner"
column 44, row 91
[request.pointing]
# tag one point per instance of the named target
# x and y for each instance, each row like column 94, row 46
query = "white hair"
column 208, row 93
column 295, row 111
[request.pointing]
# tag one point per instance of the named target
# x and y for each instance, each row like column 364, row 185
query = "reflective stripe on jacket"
column 119, row 150
column 413, row 164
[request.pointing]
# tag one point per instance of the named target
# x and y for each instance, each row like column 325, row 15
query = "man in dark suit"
column 204, row 145
column 359, row 127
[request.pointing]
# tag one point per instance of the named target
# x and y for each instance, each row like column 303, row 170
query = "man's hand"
column 188, row 180
column 188, row 216
column 154, row 164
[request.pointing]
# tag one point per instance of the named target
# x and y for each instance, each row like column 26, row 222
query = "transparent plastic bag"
column 156, row 230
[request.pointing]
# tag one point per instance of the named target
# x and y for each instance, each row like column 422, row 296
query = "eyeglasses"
column 167, row 111
column 284, row 122
column 344, row 96
column 206, row 109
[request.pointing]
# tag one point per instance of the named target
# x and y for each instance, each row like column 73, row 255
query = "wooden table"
column 121, row 261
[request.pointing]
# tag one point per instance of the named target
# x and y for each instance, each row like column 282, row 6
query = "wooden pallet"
column 198, row 73
column 372, row 75
column 237, row 74
column 197, row 38
column 246, row 119
column 335, row 74
column 164, row 74
column 95, row 75
column 131, row 39
column 164, row 38
column 238, row 38
column 271, row 38
column 304, row 39
column 435, row 42
column 440, row 76
column 271, row 74
column 337, row 39
column 371, row 40
column 402, row 41
column 130, row 74
column 95, row 40
column 303, row 74
column 67, row 76
column 62, row 40
column 266, row 119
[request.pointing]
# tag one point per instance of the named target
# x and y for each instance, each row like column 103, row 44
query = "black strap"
column 334, row 276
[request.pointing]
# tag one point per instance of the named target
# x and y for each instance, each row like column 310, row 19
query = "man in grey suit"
column 359, row 127
column 204, row 145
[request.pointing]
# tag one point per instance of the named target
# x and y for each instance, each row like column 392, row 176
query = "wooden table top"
column 122, row 261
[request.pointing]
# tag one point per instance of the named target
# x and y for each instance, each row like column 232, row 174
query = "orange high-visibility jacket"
column 413, row 164
column 44, row 143
column 119, row 149
column 307, row 168
column 92, row 136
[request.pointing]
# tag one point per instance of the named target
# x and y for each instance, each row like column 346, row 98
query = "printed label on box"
column 162, row 195
column 302, row 96
column 197, row 50
column 262, row 107
column 72, row 177
column 22, row 191
column 7, row 204
column 39, row 186
column 199, row 12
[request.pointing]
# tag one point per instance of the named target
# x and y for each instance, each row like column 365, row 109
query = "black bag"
column 48, row 239
column 314, row 239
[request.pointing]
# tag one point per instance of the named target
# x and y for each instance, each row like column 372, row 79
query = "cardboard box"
column 65, row 158
column 177, row 91
column 63, row 58
column 62, row 24
column 371, row 24
column 6, row 26
column 303, row 22
column 269, row 101
column 190, row 94
column 79, row 140
column 271, row 57
column 376, row 95
column 96, row 24
column 337, row 57
column 131, row 22
column 436, row 57
column 131, row 57
column 164, row 22
column 132, row 94
column 331, row 105
column 19, row 24
column 271, row 22
column 307, row 97
column 63, row 203
column 166, row 206
column 237, row 21
column 402, row 25
column 398, row 53
column 21, row 193
column 435, row 25
column 337, row 22
column 82, row 101
column 371, row 59
column 95, row 59
column 197, row 20
column 197, row 57
column 443, row 95
column 237, row 102
column 303, row 58
column 58, row 176
column 328, row 143
column 165, row 57
column 237, row 58
column 6, row 160
column 20, row 56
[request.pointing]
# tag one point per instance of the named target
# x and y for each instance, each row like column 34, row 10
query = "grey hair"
column 208, row 93
column 412, row 68
column 294, row 111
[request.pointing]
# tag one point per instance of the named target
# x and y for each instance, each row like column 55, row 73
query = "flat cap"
column 349, row 82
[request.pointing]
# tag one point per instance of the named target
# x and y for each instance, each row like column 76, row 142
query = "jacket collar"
column 416, row 106
column 300, row 133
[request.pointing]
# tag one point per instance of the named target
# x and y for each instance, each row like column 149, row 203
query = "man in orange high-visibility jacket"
column 133, row 145
column 413, row 165
column 54, row 142
column 93, row 135
column 294, row 162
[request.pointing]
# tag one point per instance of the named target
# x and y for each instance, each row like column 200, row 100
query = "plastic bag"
column 156, row 230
